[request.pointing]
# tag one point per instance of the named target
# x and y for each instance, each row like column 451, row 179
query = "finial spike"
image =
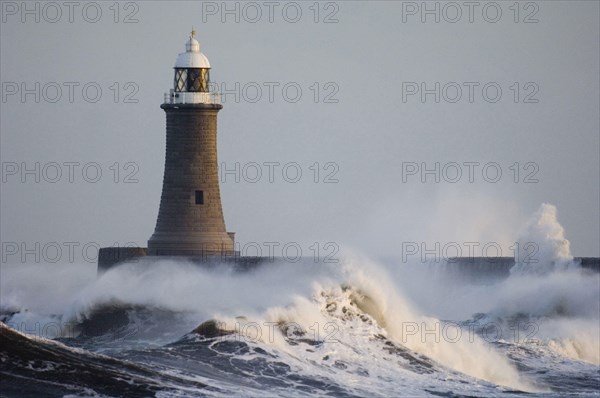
column 193, row 32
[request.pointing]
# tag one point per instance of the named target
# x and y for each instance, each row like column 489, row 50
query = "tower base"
column 109, row 257
column 186, row 244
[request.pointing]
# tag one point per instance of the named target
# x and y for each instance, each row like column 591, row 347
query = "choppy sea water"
column 355, row 328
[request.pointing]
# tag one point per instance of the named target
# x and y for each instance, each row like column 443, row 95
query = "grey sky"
column 364, row 61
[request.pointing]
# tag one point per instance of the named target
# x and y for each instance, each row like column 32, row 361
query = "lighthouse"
column 190, row 218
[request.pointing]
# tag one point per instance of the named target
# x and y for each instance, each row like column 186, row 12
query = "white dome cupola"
column 192, row 57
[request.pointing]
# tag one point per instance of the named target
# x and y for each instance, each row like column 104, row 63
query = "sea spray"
column 542, row 246
column 550, row 287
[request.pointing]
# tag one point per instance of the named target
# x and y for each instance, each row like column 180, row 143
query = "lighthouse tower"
column 190, row 219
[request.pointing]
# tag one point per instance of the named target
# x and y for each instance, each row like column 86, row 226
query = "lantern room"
column 191, row 84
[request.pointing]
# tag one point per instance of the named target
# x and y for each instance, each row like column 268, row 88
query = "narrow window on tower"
column 199, row 197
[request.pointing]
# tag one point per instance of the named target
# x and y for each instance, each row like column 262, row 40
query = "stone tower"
column 190, row 219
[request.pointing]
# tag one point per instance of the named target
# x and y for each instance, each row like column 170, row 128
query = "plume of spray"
column 547, row 285
column 542, row 247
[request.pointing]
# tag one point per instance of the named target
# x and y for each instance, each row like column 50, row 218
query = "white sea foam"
column 379, row 300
